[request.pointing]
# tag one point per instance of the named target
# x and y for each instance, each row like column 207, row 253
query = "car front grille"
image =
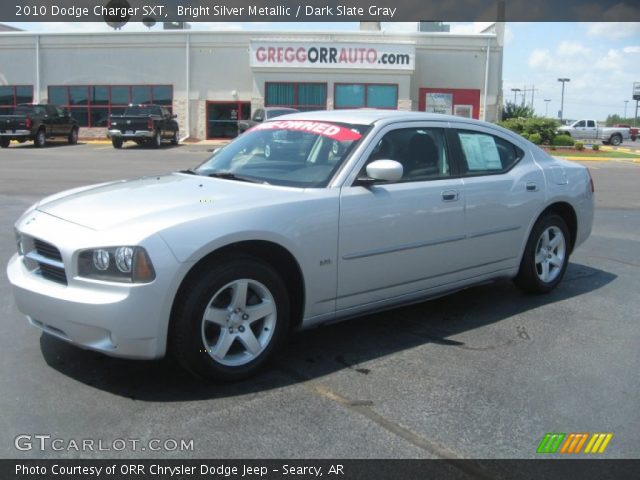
column 47, row 250
column 48, row 261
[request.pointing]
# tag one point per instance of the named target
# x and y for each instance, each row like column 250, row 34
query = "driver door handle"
column 449, row 195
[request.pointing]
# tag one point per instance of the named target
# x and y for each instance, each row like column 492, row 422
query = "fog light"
column 101, row 259
column 124, row 259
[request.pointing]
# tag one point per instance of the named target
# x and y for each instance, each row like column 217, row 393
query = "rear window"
column 142, row 111
column 29, row 110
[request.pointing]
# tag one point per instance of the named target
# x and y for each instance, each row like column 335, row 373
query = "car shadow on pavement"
column 314, row 353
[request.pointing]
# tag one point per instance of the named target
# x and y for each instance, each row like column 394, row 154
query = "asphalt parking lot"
column 483, row 373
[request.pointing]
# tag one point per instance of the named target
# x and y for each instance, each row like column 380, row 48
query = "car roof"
column 288, row 109
column 369, row 116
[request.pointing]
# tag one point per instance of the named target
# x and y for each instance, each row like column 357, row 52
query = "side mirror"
column 385, row 170
column 174, row 116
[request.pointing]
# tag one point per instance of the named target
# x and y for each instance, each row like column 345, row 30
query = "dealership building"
column 212, row 79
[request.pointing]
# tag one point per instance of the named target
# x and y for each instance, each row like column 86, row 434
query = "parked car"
column 590, row 130
column 144, row 124
column 37, row 123
column 262, row 115
column 217, row 264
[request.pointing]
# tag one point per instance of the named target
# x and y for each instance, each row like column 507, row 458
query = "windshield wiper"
column 233, row 176
column 189, row 171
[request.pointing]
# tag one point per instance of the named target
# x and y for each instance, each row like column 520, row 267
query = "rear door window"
column 487, row 154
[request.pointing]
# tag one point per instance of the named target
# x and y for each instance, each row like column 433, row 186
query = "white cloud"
column 540, row 59
column 632, row 49
column 613, row 60
column 569, row 49
column 614, row 30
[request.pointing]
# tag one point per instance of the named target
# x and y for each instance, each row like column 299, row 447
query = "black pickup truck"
column 37, row 123
column 144, row 124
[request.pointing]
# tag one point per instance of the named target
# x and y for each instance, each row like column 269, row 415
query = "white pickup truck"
column 589, row 130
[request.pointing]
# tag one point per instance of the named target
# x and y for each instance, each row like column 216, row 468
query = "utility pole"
column 564, row 80
column 546, row 107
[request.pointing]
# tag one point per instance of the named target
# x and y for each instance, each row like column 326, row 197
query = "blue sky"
column 601, row 59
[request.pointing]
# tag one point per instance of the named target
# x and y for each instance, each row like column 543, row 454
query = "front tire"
column 73, row 136
column 174, row 138
column 230, row 319
column 4, row 142
column 546, row 255
column 116, row 142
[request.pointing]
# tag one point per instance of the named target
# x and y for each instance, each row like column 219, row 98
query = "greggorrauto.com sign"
column 332, row 55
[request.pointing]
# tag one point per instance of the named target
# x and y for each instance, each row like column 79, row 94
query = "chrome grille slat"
column 33, row 255
column 47, row 250
column 49, row 261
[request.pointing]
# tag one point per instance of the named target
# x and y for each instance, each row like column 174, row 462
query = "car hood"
column 162, row 200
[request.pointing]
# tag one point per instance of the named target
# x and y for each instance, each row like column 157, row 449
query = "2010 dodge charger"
column 303, row 220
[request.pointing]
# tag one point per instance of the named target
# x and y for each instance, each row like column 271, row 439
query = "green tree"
column 513, row 110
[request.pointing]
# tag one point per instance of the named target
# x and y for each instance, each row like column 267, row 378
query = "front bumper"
column 117, row 319
column 132, row 135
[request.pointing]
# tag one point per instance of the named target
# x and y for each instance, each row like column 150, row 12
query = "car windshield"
column 297, row 153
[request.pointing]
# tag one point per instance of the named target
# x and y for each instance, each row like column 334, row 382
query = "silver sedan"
column 304, row 220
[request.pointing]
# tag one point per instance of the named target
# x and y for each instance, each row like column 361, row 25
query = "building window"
column 223, row 117
column 363, row 95
column 12, row 95
column 91, row 105
column 302, row 96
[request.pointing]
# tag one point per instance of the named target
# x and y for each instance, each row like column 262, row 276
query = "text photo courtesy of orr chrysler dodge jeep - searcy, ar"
column 303, row 220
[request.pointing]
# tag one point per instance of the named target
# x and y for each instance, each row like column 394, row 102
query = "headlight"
column 116, row 264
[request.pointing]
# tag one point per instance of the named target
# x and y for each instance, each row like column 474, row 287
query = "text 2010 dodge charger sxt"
column 303, row 220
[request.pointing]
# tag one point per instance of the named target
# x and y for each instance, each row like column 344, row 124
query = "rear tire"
column 156, row 142
column 616, row 139
column 116, row 142
column 230, row 319
column 41, row 138
column 4, row 142
column 546, row 255
column 73, row 136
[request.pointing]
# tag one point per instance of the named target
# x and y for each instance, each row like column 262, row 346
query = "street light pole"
column 515, row 93
column 546, row 107
column 563, row 80
column 625, row 110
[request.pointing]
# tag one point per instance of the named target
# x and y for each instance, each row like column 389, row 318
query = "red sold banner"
column 335, row 132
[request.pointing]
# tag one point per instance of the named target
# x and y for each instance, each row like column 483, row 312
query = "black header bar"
column 319, row 10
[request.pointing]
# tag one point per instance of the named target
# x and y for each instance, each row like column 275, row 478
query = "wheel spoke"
column 555, row 261
column 555, row 241
column 250, row 342
column 239, row 299
column 540, row 256
column 223, row 344
column 545, row 239
column 217, row 316
column 545, row 271
column 257, row 312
